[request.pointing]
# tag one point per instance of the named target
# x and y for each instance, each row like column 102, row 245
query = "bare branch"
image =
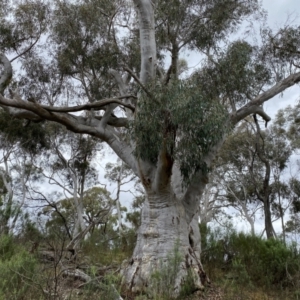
column 26, row 50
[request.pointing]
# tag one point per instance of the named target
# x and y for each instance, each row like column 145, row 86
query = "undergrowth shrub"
column 17, row 270
column 101, row 287
column 107, row 246
column 252, row 259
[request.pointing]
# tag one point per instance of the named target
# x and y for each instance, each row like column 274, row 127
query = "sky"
column 279, row 11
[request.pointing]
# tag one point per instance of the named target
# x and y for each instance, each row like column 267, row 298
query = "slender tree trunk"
column 78, row 205
column 281, row 217
column 268, row 220
column 118, row 206
column 164, row 228
column 4, row 226
column 248, row 217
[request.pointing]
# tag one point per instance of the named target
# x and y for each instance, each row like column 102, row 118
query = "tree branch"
column 119, row 81
column 76, row 124
column 253, row 106
column 95, row 105
column 26, row 50
column 139, row 83
column 261, row 154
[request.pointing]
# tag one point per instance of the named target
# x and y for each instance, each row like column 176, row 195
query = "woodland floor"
column 214, row 292
column 94, row 275
column 75, row 287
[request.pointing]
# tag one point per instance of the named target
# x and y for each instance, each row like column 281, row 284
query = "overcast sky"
column 278, row 13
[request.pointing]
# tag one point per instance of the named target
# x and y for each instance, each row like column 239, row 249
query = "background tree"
column 20, row 148
column 254, row 177
column 286, row 124
column 68, row 166
column 97, row 208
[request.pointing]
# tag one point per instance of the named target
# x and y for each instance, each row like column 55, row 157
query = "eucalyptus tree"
column 293, row 224
column 253, row 176
column 107, row 73
column 213, row 205
column 63, row 217
column 122, row 175
column 287, row 124
column 232, row 172
column 19, row 147
column 68, row 165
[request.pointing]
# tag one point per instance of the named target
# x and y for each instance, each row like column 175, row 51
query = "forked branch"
column 254, row 106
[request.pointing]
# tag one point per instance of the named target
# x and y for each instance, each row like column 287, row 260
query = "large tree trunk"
column 165, row 232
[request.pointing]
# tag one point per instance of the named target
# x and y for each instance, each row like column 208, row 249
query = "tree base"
column 166, row 259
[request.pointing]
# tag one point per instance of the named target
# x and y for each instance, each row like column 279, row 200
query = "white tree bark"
column 164, row 227
column 118, row 206
column 145, row 10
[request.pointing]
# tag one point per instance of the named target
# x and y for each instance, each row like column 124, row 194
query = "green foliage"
column 287, row 124
column 181, row 121
column 21, row 23
column 188, row 286
column 31, row 137
column 83, row 32
column 239, row 70
column 108, row 287
column 250, row 259
column 102, row 287
column 221, row 18
column 106, row 246
column 284, row 45
column 6, row 212
column 17, row 270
